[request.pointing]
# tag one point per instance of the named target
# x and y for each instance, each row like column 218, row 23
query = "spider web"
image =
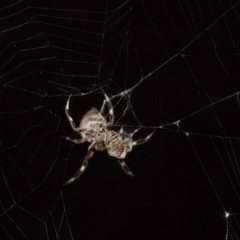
column 172, row 66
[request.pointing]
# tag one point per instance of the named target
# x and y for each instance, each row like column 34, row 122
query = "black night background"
column 169, row 66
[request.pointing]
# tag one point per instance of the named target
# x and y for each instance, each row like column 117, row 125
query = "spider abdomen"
column 118, row 143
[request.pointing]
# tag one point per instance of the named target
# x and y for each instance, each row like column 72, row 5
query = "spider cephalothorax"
column 94, row 129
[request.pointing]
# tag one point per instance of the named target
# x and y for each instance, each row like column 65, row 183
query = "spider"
column 94, row 129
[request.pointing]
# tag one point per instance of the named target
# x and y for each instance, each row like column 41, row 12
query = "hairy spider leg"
column 78, row 173
column 76, row 141
column 143, row 140
column 135, row 131
column 125, row 168
column 73, row 125
column 110, row 109
column 83, row 166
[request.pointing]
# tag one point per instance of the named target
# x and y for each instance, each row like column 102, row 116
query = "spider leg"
column 110, row 108
column 78, row 173
column 143, row 140
column 76, row 141
column 125, row 168
column 73, row 125
column 83, row 166
column 135, row 131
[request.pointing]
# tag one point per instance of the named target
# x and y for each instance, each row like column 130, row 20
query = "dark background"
column 169, row 65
